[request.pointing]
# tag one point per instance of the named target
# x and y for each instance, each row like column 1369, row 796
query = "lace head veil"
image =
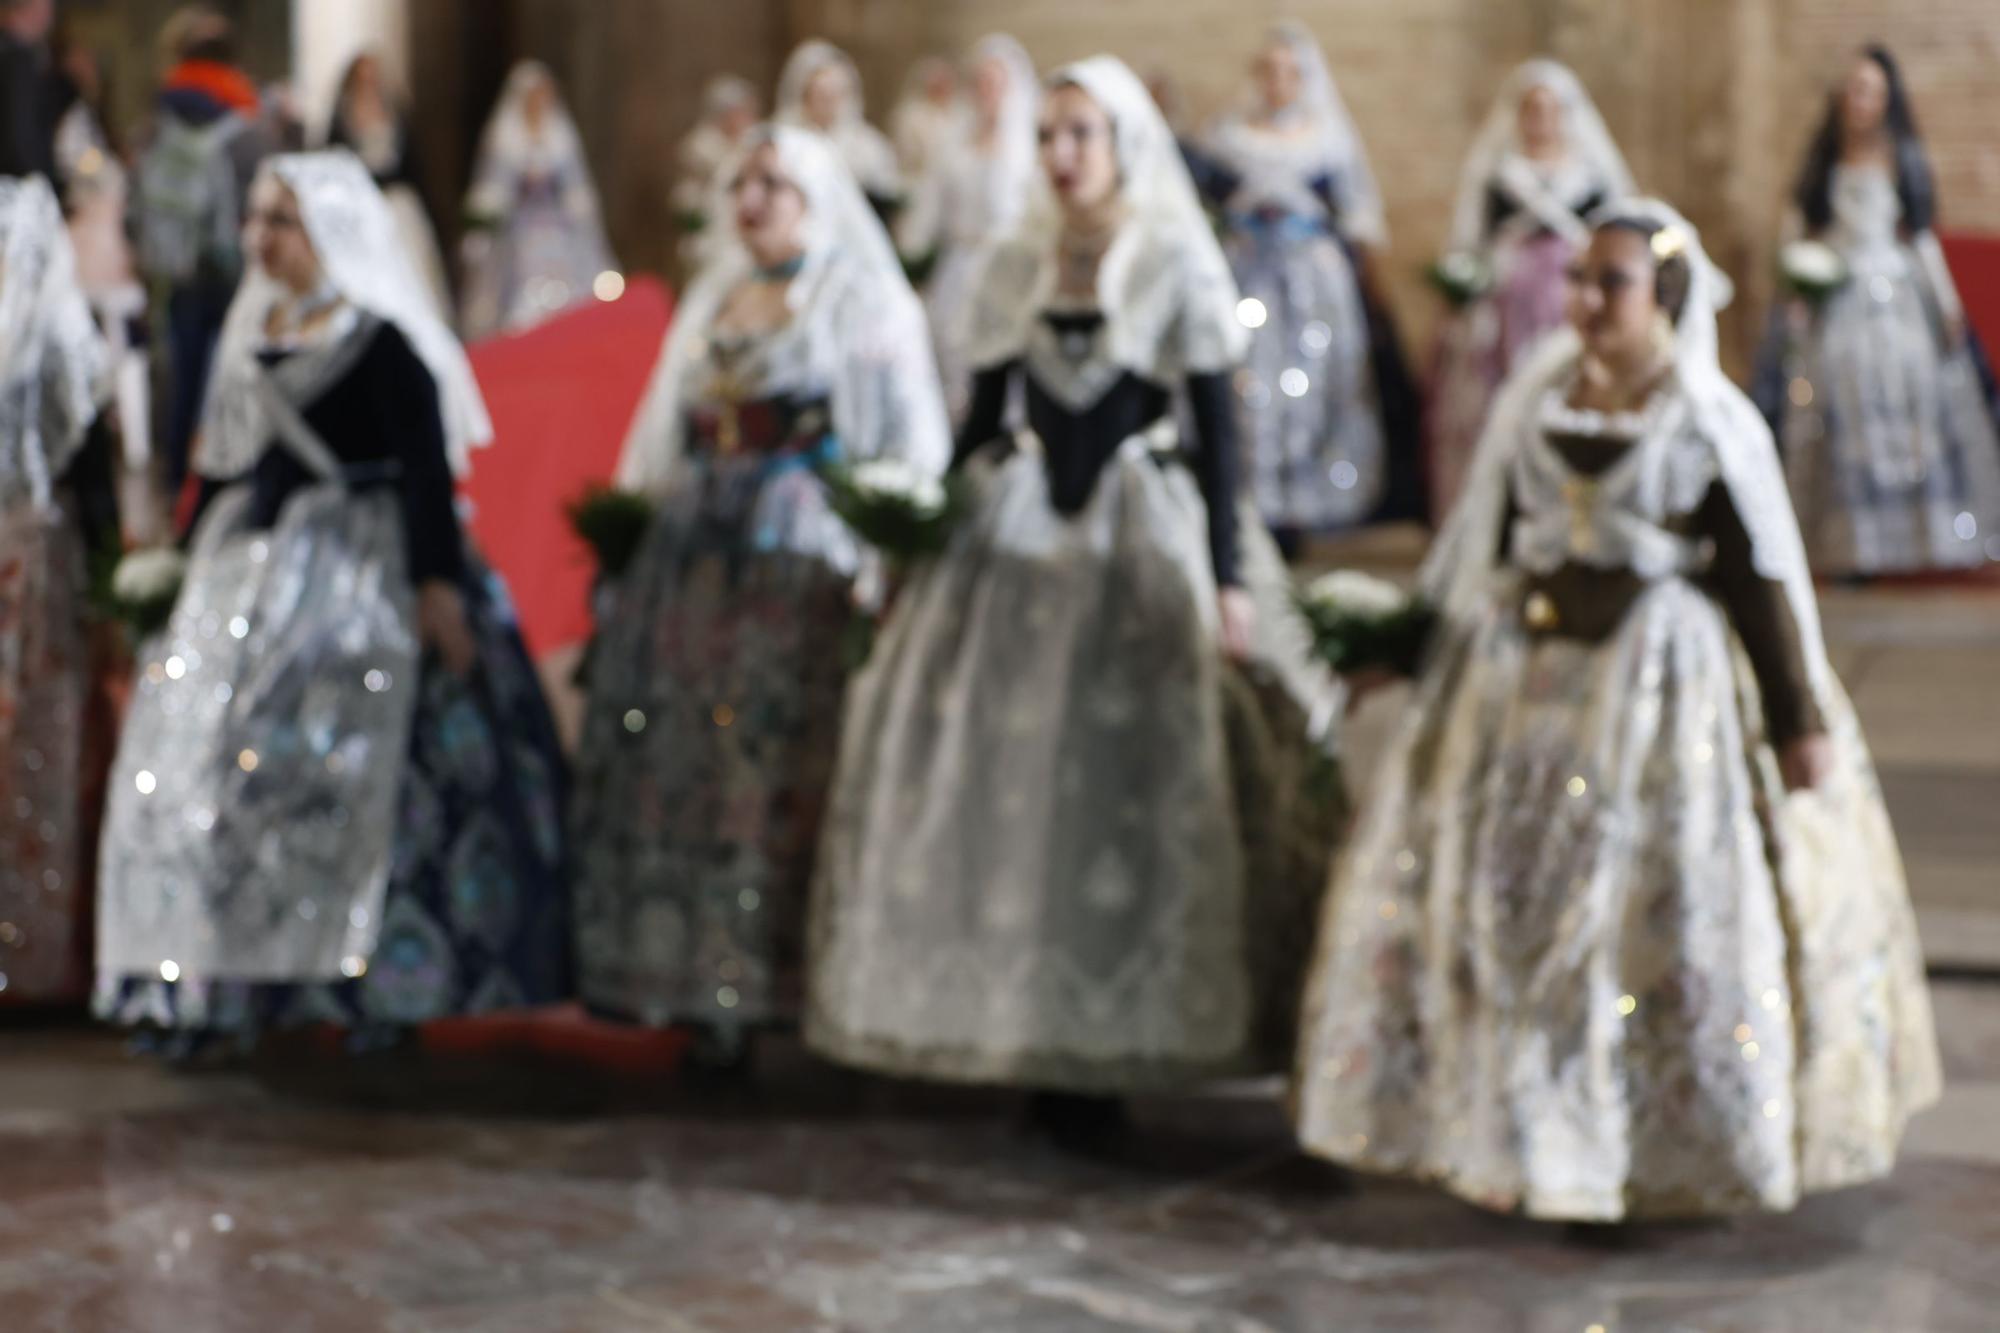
column 52, row 360
column 508, row 135
column 845, row 249
column 809, row 59
column 725, row 93
column 1321, row 105
column 1454, row 577
column 362, row 257
column 1160, row 198
column 508, row 143
column 1017, row 112
column 1586, row 139
column 1161, row 201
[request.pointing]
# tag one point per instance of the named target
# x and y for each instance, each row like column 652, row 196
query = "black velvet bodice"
column 1500, row 206
column 381, row 419
column 1077, row 442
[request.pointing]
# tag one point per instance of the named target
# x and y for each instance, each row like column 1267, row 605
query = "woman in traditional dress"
column 729, row 111
column 716, row 679
column 537, row 243
column 927, row 118
column 369, row 120
column 56, row 501
column 1542, row 163
column 820, row 90
column 1622, row 931
column 1327, row 401
column 338, row 793
column 973, row 197
column 1061, row 850
column 1889, row 437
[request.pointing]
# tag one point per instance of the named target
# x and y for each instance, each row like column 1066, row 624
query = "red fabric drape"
column 561, row 397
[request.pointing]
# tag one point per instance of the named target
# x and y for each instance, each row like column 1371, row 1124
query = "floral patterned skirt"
column 1584, row 957
column 715, row 695
column 44, row 689
column 476, row 918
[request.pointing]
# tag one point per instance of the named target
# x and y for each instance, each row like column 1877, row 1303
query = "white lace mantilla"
column 1167, row 314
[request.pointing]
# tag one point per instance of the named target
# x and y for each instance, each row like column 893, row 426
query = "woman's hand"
column 1806, row 762
column 1238, row 614
column 443, row 628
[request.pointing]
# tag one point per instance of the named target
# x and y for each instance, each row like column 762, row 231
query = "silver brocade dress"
column 715, row 693
column 1071, row 845
column 1314, row 437
column 1584, row 957
column 1890, row 442
column 310, row 821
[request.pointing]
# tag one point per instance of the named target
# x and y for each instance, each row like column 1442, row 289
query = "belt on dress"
column 1281, row 222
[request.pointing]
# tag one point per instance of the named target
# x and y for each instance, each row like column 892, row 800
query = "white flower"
column 147, row 576
column 893, row 479
column 1462, row 267
column 1350, row 592
column 1812, row 264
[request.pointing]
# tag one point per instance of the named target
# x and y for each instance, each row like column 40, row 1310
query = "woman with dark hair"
column 1889, row 439
column 1622, row 930
column 370, row 119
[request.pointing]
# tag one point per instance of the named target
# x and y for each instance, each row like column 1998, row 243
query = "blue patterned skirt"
column 476, row 918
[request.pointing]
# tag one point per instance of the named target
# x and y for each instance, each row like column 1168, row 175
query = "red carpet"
column 1975, row 266
column 561, row 397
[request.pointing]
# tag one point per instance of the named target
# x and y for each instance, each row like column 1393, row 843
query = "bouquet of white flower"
column 1811, row 270
column 1461, row 277
column 1362, row 623
column 902, row 512
column 145, row 586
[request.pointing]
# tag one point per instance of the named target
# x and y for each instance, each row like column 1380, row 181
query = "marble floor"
column 529, row 1182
